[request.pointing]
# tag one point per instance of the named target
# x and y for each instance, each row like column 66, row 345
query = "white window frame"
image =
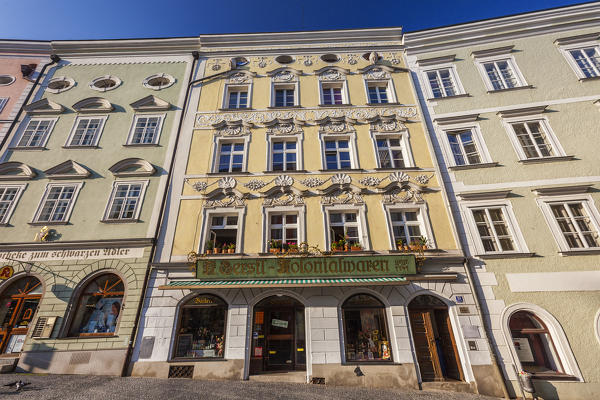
column 343, row 85
column 268, row 211
column 545, row 125
column 138, row 207
column 208, row 213
column 3, row 102
column 102, row 119
column 158, row 129
column 391, row 92
column 453, row 75
column 423, row 218
column 23, row 127
column 510, row 59
column 520, row 246
column 238, row 87
column 404, row 137
column 361, row 216
column 286, row 85
column 544, row 202
column 298, row 138
column 49, row 186
column 566, row 51
column 484, row 154
column 351, row 137
column 216, row 151
column 9, row 211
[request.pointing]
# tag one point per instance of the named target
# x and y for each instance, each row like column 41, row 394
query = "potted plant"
column 355, row 246
column 209, row 247
column 292, row 247
column 231, row 248
column 422, row 242
column 342, row 245
column 217, row 249
column 334, row 246
column 400, row 243
column 274, row 246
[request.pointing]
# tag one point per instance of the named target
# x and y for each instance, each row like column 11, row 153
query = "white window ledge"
column 504, row 255
column 511, row 89
column 473, row 166
column 546, row 159
column 579, row 252
column 449, row 97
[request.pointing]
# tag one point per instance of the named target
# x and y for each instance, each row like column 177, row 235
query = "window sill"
column 511, row 89
column 341, row 170
column 336, row 105
column 119, row 221
column 383, row 104
column 81, row 147
column 90, row 336
column 141, row 145
column 473, row 166
column 589, row 78
column 196, row 359
column 282, row 107
column 579, row 252
column 228, row 173
column 504, row 255
column 367, row 362
column 36, row 148
column 553, row 377
column 236, row 109
column 225, row 255
column 35, row 223
column 449, row 97
column 398, row 169
column 295, row 171
column 546, row 159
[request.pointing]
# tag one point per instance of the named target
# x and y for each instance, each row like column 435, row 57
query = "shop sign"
column 279, row 323
column 72, row 254
column 6, row 272
column 306, row 267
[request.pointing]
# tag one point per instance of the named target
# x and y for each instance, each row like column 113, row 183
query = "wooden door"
column 424, row 341
column 280, row 341
column 448, row 345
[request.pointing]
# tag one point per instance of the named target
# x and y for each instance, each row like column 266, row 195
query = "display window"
column 99, row 307
column 201, row 328
column 365, row 330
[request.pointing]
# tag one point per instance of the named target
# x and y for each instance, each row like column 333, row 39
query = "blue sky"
column 107, row 19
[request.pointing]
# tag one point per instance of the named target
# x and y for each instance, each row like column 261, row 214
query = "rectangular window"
column 344, row 225
column 238, row 99
column 8, row 197
column 389, row 152
column 284, row 97
column 406, row 226
column 146, row 129
column 575, row 224
column 332, row 95
column 493, row 230
column 337, row 154
column 87, row 131
column 223, row 232
column 283, row 230
column 125, row 200
column 231, row 156
column 57, row 203
column 3, row 101
column 533, row 139
column 441, row 83
column 463, row 147
column 501, row 74
column 588, row 60
column 284, row 154
column 36, row 133
column 378, row 93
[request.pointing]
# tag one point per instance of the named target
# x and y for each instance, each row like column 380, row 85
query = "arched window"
column 99, row 307
column 365, row 330
column 18, row 304
column 533, row 343
column 201, row 328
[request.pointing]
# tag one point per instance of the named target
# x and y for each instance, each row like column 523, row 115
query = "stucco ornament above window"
column 159, row 81
column 68, row 170
column 15, row 171
column 43, row 107
column 6, row 80
column 332, row 73
column 60, row 84
column 132, row 167
column 105, row 83
column 93, row 105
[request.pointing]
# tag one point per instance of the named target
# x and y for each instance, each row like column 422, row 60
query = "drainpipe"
column 54, row 59
column 134, row 333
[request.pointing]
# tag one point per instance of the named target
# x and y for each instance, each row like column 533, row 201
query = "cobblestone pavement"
column 107, row 388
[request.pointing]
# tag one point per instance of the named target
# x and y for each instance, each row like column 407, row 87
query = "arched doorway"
column 278, row 336
column 433, row 339
column 18, row 304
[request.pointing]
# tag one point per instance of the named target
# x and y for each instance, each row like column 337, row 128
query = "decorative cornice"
column 456, row 119
column 232, row 128
column 386, row 124
column 68, row 170
column 497, row 51
column 561, row 190
column 79, row 244
column 126, row 47
column 489, row 195
column 336, row 125
column 151, row 103
column 43, row 107
column 520, row 112
column 23, row 171
column 284, row 126
column 589, row 37
column 425, row 62
column 93, row 105
column 132, row 167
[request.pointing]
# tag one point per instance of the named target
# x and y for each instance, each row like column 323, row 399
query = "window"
column 158, row 81
column 390, row 152
column 124, row 202
column 8, row 199
column 442, row 83
column 223, row 232
column 3, row 101
column 378, row 92
column 284, row 155
column 575, row 224
column 337, row 154
column 201, row 328
column 60, row 84
column 534, row 139
column 283, row 230
column 231, row 156
column 238, row 98
column 86, row 131
column 407, row 227
column 284, row 96
column 344, row 225
column 493, row 229
column 463, row 147
column 533, row 344
column 6, row 80
column 57, row 203
column 332, row 94
column 365, row 330
column 36, row 133
column 145, row 129
column 500, row 73
column 105, row 83
column 99, row 307
column 587, row 60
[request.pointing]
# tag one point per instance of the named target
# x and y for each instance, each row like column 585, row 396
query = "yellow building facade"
column 308, row 202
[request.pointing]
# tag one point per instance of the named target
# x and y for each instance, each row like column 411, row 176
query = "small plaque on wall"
column 147, row 347
column 470, row 331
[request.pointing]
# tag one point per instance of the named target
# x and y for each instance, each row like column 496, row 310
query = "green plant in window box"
column 274, row 246
column 231, row 248
column 292, row 247
column 210, row 245
column 401, row 244
column 355, row 246
column 422, row 242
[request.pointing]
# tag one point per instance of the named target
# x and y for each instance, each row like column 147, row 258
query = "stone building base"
column 380, row 376
column 213, row 370
column 97, row 362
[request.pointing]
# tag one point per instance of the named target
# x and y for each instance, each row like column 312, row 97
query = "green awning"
column 257, row 283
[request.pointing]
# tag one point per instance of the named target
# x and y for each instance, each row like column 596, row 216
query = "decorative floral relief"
column 200, row 186
column 331, row 75
column 341, row 179
column 312, row 182
column 225, row 201
column 387, row 125
column 215, row 64
column 377, row 74
column 307, row 60
column 227, row 182
column 286, row 199
column 284, row 76
column 352, row 59
column 394, row 58
column 422, row 179
column 347, row 197
column 370, row 181
column 398, row 177
column 239, row 77
column 255, row 184
column 402, row 196
column 262, row 62
column 284, row 181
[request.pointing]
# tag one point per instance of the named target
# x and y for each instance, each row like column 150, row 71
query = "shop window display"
column 201, row 332
column 99, row 307
column 365, row 330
